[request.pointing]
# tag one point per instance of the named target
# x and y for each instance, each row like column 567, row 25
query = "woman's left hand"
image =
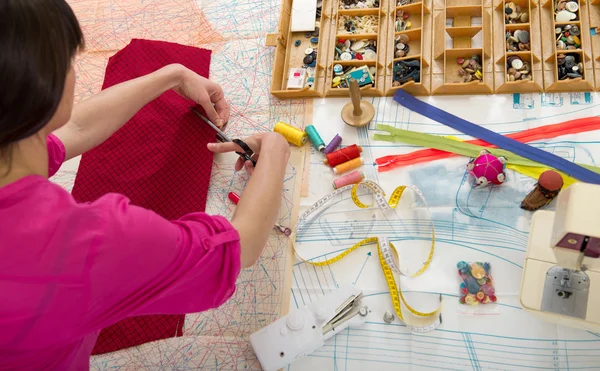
column 206, row 93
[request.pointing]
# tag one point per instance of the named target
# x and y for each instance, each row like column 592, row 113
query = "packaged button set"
column 514, row 13
column 518, row 69
column 517, row 41
column 364, row 75
column 566, row 11
column 353, row 49
column 477, row 286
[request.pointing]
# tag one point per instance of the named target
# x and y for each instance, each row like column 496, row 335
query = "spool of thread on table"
column 315, row 138
column 342, row 155
column 348, row 165
column 333, row 145
column 354, row 177
column 291, row 134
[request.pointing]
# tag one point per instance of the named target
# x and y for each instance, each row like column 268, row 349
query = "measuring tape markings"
column 384, row 247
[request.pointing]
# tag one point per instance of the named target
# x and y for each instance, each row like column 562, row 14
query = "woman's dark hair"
column 38, row 40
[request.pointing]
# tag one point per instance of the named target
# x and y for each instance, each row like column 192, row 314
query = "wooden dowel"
column 355, row 96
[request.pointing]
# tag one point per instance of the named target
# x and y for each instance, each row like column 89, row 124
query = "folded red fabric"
column 158, row 160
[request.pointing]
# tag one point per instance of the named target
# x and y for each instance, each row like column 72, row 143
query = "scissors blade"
column 220, row 134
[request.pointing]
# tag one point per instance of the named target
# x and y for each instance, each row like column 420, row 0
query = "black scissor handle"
column 248, row 152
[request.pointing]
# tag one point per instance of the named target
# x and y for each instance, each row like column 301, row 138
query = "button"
column 308, row 51
column 400, row 46
column 314, row 40
column 357, row 45
column 572, row 6
column 338, row 69
column 295, row 321
column 523, row 36
column 517, row 64
column 308, row 59
column 564, row 16
column 336, row 81
column 346, row 56
column 370, row 54
column 310, row 71
column 388, row 317
column 298, row 42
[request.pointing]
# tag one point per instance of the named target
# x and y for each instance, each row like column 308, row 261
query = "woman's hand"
column 206, row 93
column 273, row 141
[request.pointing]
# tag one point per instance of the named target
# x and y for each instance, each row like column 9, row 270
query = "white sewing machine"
column 561, row 276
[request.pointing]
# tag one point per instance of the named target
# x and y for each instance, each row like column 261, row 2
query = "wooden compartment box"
column 431, row 47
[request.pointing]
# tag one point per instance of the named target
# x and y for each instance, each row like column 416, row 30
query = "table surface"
column 471, row 224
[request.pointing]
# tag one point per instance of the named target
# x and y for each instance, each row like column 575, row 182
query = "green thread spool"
column 315, row 138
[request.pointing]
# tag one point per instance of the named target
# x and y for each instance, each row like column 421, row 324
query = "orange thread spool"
column 342, row 155
column 348, row 165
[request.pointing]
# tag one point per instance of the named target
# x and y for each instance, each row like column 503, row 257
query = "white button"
column 346, row 56
column 572, row 6
column 295, row 322
column 517, row 64
column 308, row 51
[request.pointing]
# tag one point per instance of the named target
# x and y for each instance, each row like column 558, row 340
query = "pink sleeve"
column 143, row 264
column 56, row 154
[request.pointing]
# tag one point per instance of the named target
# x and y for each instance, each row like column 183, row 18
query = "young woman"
column 67, row 270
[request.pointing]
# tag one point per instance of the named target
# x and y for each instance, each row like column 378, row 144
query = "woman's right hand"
column 271, row 142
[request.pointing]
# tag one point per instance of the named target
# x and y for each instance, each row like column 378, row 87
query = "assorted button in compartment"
column 402, row 48
column 403, row 22
column 514, row 13
column 357, row 24
column 517, row 69
column 569, row 66
column 470, row 69
column 567, row 37
column 406, row 2
column 405, row 71
column 359, row 4
column 566, row 11
column 353, row 49
column 518, row 41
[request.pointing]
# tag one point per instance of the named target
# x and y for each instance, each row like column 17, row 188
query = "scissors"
column 248, row 153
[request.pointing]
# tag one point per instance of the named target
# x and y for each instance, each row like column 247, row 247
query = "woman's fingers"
column 224, row 147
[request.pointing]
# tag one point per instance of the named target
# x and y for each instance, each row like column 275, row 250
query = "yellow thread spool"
column 348, row 165
column 291, row 134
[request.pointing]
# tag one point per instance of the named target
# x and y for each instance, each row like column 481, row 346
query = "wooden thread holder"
column 441, row 32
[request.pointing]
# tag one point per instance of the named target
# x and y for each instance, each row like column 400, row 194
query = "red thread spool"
column 233, row 197
column 342, row 155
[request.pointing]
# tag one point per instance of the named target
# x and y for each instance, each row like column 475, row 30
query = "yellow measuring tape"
column 384, row 247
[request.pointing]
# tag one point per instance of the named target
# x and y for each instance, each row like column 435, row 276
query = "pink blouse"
column 68, row 270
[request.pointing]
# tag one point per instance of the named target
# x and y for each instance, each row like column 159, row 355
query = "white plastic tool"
column 306, row 329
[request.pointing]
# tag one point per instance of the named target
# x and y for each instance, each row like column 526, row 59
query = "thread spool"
column 291, row 134
column 354, row 177
column 333, row 145
column 315, row 138
column 342, row 155
column 348, row 165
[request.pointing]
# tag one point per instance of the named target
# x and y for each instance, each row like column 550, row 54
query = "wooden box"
column 441, row 34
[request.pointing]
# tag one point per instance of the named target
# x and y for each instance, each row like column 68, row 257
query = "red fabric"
column 158, row 160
